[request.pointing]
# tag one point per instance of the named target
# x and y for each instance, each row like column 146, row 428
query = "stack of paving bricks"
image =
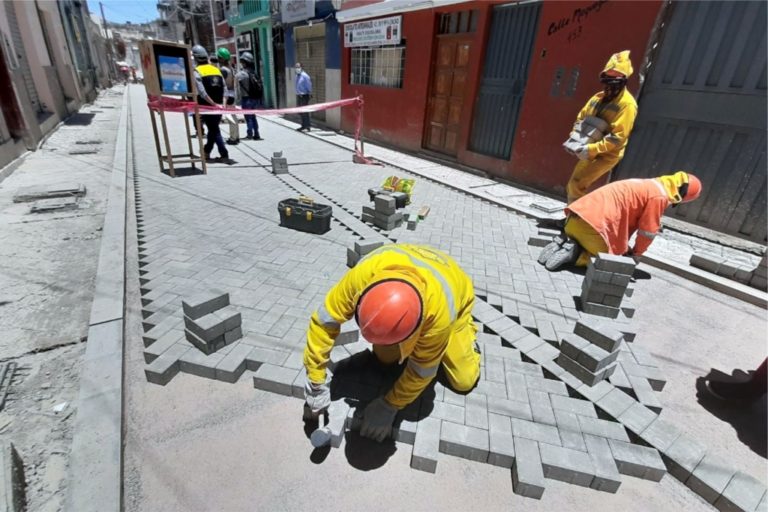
column 362, row 248
column 279, row 163
column 210, row 323
column 544, row 237
column 756, row 277
column 605, row 286
column 384, row 214
column 590, row 353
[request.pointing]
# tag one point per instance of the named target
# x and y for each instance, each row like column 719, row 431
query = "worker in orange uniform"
column 616, row 106
column 605, row 219
column 412, row 303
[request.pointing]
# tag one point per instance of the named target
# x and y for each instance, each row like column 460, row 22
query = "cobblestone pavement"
column 221, row 232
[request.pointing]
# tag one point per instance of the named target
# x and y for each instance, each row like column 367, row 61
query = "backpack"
column 255, row 89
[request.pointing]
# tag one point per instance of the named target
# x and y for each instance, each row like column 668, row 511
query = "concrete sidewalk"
column 201, row 444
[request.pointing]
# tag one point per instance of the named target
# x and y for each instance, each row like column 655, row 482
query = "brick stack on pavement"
column 605, row 286
column 384, row 214
column 544, row 237
column 210, row 323
column 590, row 353
column 362, row 248
column 279, row 163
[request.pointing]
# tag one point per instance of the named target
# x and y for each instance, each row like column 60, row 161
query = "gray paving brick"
column 572, row 345
column 501, row 449
column 596, row 392
column 448, row 412
column 616, row 402
column 297, row 386
column 567, row 465
column 594, row 358
column 453, row 398
column 587, row 377
column 295, row 360
column 197, row 363
column 619, row 378
column 527, row 471
column 645, row 394
column 510, row 408
column 463, row 441
column 494, row 368
column 661, row 435
column 566, row 421
column 528, row 343
column 521, row 367
column 426, row 446
column 162, row 344
column 607, row 477
column 349, row 334
column 604, row 428
column 166, row 366
column 641, row 355
column 639, row 461
column 613, row 263
column 573, row 440
column 260, row 355
column 230, row 316
column 535, row 431
column 710, row 477
column 550, row 386
column 476, row 411
column 497, row 350
column 207, row 327
column 233, row 364
column 366, row 246
column 544, row 352
column 683, row 456
column 405, row 431
column 489, row 388
column 204, row 303
column 574, row 405
column 541, row 408
column 597, row 309
column 275, row 379
column 637, row 418
column 743, row 492
column 160, row 329
column 655, row 376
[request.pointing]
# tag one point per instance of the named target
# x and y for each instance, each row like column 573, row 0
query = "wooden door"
column 446, row 98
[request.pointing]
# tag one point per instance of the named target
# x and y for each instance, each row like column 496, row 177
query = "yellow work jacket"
column 620, row 114
column 446, row 293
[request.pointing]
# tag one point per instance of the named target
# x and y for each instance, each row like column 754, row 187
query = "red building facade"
column 489, row 85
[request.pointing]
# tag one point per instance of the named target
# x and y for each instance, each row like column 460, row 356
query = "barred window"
column 381, row 67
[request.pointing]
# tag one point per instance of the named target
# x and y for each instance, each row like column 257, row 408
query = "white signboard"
column 297, row 10
column 374, row 32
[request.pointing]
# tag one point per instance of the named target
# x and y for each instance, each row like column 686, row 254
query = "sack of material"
column 589, row 130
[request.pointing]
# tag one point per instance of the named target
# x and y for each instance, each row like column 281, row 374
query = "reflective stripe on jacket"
column 620, row 114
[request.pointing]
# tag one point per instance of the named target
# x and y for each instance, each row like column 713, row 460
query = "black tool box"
column 303, row 214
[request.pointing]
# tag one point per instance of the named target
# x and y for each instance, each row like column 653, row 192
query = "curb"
column 717, row 283
column 95, row 468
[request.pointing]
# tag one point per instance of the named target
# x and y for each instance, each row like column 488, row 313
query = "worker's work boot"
column 567, row 254
column 550, row 249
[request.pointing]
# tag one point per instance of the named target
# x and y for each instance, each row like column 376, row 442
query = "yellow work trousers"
column 586, row 173
column 590, row 240
column 460, row 361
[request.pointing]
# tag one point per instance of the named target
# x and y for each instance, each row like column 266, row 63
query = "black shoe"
column 232, row 142
column 226, row 160
column 300, row 129
column 257, row 137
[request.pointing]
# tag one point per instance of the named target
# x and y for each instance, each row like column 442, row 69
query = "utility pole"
column 110, row 70
column 213, row 26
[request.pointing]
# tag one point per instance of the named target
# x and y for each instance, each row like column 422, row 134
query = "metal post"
column 213, row 26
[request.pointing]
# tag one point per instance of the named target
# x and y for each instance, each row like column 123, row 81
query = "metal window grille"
column 381, row 67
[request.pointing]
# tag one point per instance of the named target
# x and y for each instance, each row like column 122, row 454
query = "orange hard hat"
column 694, row 188
column 388, row 312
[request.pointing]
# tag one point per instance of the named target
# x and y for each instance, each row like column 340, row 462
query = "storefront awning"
column 387, row 7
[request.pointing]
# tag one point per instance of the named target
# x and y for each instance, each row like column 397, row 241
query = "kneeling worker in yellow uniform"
column 414, row 304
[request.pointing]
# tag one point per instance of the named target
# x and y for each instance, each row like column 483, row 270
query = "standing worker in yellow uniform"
column 616, row 106
column 210, row 91
column 412, row 303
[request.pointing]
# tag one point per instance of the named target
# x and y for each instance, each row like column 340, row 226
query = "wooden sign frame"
column 168, row 71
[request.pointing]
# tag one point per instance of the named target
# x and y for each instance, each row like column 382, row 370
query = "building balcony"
column 249, row 10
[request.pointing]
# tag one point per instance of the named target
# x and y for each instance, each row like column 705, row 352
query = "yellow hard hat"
column 619, row 63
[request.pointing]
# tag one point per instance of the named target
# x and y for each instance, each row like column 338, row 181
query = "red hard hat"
column 388, row 312
column 694, row 188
